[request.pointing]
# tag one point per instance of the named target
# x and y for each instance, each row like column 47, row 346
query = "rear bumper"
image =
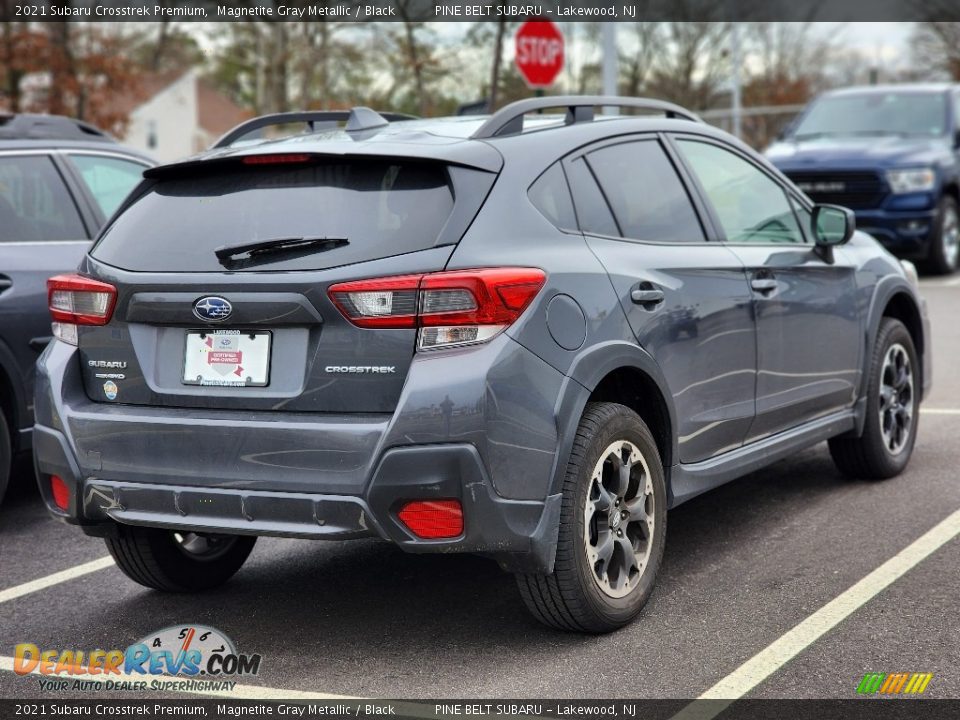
column 520, row 534
column 314, row 476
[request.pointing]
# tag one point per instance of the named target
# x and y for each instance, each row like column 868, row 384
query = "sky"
column 886, row 41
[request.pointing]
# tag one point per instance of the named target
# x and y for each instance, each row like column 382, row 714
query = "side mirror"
column 832, row 225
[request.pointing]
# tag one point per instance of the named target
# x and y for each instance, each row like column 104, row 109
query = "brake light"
column 433, row 519
column 76, row 300
column 450, row 308
column 276, row 159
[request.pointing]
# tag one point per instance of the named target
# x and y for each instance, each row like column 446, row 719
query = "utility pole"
column 610, row 63
column 735, row 76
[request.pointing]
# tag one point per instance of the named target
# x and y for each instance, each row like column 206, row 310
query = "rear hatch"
column 223, row 270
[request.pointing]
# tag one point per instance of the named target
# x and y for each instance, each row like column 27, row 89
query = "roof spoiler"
column 358, row 119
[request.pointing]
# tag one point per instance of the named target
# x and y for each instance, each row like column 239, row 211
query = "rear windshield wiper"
column 265, row 251
column 317, row 244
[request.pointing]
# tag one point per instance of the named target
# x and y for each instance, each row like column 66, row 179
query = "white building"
column 180, row 116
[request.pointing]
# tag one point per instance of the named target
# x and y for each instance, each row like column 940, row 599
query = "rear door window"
column 644, row 192
column 381, row 207
column 109, row 179
column 35, row 203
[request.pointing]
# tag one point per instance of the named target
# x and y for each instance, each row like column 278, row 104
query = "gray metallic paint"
column 512, row 405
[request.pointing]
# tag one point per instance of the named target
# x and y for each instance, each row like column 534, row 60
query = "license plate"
column 227, row 358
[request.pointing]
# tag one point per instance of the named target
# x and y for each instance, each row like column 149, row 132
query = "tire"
column 587, row 594
column 6, row 455
column 157, row 559
column 883, row 450
column 944, row 251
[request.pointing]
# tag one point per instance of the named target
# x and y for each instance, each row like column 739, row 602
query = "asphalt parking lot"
column 744, row 565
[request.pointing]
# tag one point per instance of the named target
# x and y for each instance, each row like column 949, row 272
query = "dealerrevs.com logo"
column 179, row 657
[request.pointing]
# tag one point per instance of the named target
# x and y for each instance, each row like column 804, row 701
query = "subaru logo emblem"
column 212, row 308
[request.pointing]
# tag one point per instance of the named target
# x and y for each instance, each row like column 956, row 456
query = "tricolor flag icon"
column 904, row 683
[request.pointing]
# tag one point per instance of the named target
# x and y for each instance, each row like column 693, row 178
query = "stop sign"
column 539, row 52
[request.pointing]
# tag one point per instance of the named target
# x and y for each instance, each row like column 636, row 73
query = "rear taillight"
column 76, row 300
column 385, row 303
column 450, row 308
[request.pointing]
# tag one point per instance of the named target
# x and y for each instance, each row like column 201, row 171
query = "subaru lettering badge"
column 212, row 308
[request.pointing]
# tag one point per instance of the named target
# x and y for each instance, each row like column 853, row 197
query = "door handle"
column 646, row 295
column 764, row 285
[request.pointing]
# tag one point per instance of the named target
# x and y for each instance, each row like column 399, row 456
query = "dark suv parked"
column 521, row 337
column 59, row 181
column 891, row 153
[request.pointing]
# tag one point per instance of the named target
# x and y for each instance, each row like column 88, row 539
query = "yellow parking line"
column 58, row 577
column 782, row 650
column 940, row 411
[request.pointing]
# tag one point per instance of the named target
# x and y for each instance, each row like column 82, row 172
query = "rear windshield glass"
column 382, row 208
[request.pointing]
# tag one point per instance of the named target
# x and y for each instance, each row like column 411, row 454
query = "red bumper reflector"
column 432, row 519
column 61, row 493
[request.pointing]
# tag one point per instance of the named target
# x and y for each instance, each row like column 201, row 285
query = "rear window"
column 383, row 208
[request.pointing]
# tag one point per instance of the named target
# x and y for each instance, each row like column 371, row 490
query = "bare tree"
column 936, row 49
column 695, row 63
column 486, row 34
column 636, row 65
column 496, row 61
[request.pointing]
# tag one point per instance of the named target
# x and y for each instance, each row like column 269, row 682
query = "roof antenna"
column 363, row 118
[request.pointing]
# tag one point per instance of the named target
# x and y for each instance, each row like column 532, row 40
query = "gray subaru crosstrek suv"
column 522, row 337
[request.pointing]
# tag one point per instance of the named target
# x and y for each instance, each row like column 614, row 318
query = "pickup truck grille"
column 855, row 190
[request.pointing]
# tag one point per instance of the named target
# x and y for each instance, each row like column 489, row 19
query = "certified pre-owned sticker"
column 110, row 389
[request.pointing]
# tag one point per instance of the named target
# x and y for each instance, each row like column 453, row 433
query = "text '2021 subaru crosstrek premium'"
column 522, row 337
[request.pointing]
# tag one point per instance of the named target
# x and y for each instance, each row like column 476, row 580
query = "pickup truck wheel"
column 613, row 523
column 6, row 455
column 175, row 561
column 893, row 404
column 945, row 241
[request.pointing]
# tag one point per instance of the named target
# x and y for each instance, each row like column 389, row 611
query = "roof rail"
column 29, row 126
column 357, row 119
column 509, row 120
